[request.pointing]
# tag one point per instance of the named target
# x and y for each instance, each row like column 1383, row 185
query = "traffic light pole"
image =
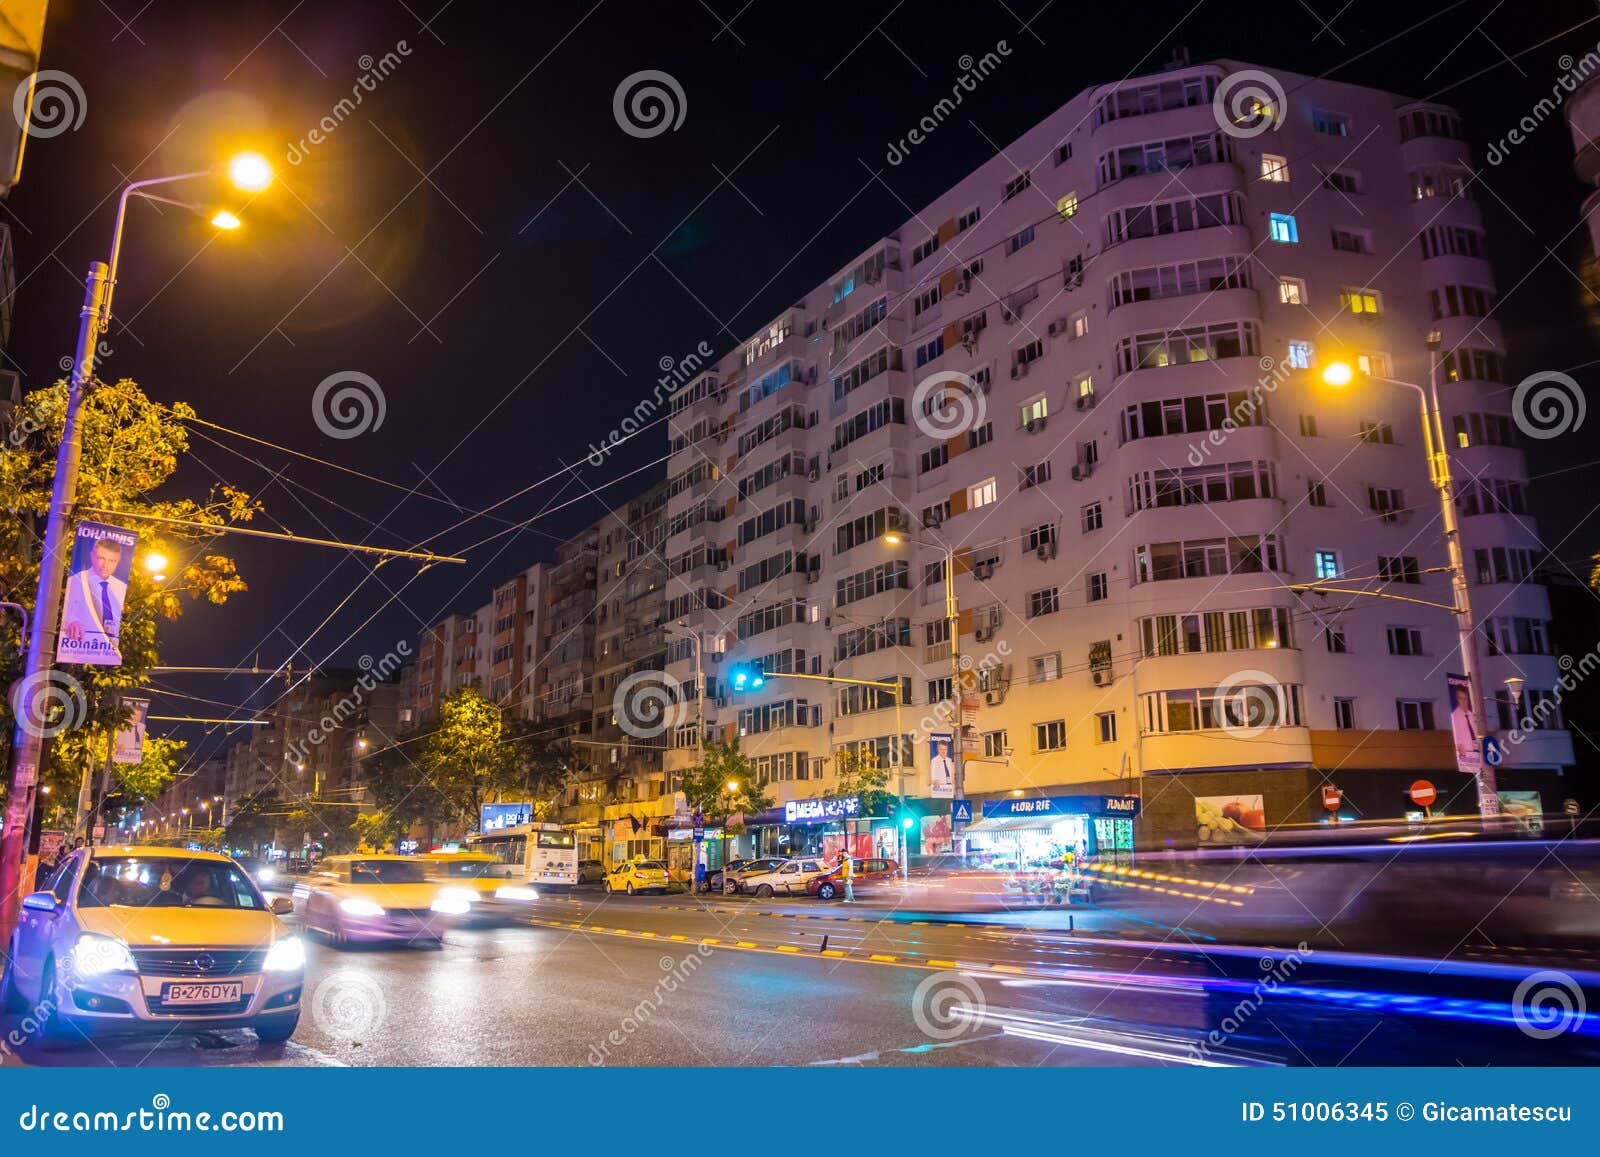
column 28, row 740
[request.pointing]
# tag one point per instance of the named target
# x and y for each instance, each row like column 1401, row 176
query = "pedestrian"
column 847, row 872
column 700, row 876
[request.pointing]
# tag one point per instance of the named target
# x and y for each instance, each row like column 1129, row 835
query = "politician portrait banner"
column 97, row 586
column 1468, row 744
column 129, row 744
column 941, row 766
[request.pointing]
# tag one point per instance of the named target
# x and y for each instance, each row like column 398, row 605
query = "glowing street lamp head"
column 156, row 564
column 250, row 172
column 226, row 220
column 1337, row 374
column 733, row 785
column 893, row 538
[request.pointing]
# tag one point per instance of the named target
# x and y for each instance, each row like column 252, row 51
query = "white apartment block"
column 1141, row 297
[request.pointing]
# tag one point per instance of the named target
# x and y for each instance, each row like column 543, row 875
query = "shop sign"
column 1062, row 805
column 820, row 811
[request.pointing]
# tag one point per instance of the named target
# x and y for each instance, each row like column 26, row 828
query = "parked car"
column 788, row 878
column 638, row 875
column 867, row 872
column 155, row 940
column 591, row 871
column 731, row 879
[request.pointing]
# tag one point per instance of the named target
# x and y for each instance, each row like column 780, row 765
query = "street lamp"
column 1339, row 374
column 252, row 173
column 952, row 615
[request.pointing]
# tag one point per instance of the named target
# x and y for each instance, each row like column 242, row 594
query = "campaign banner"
column 97, row 587
column 1468, row 744
column 941, row 766
column 129, row 744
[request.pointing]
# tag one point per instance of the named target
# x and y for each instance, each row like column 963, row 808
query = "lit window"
column 1301, row 355
column 982, row 494
column 1033, row 409
column 1283, row 228
column 1078, row 325
column 1327, row 564
column 1359, row 301
column 1291, row 291
column 1084, row 386
column 1374, row 365
column 1067, row 206
column 1274, row 168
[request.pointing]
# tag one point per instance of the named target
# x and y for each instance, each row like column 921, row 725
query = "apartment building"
column 1090, row 371
column 514, row 641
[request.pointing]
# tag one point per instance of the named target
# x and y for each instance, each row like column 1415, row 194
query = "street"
column 597, row 980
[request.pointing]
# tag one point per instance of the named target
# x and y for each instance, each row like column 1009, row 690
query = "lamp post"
column 1340, row 374
column 247, row 171
column 681, row 631
column 952, row 615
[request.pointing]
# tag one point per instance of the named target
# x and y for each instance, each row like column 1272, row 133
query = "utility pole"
column 27, row 741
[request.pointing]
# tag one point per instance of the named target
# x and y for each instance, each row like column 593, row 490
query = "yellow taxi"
column 638, row 875
column 131, row 938
column 484, row 880
column 381, row 897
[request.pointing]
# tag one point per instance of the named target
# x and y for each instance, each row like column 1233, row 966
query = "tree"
column 131, row 449
column 858, row 774
column 705, row 785
column 376, row 831
column 255, row 820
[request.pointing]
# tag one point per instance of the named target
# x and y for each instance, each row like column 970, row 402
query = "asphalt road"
column 595, row 980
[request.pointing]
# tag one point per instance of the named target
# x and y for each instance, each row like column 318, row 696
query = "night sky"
column 482, row 239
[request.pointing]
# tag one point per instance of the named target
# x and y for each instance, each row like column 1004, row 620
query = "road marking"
column 788, row 948
column 834, row 952
column 944, row 964
column 745, row 944
column 647, row 935
column 882, row 958
column 710, row 940
column 676, row 936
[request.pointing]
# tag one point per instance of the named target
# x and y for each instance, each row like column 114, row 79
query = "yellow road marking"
column 788, row 948
column 676, row 936
column 944, row 963
column 647, row 934
column 834, row 952
column 880, row 956
column 710, row 940
column 1005, row 968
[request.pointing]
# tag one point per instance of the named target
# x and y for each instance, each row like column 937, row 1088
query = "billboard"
column 97, row 587
column 129, row 744
column 1464, row 734
column 1230, row 819
column 941, row 766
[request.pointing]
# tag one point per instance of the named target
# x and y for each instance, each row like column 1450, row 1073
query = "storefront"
column 1020, row 833
column 822, row 827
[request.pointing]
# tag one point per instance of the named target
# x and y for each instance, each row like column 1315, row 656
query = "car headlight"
column 360, row 906
column 95, row 955
column 287, row 955
column 266, row 875
column 454, row 901
column 515, row 892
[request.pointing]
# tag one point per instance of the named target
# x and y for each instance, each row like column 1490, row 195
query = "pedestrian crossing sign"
column 961, row 811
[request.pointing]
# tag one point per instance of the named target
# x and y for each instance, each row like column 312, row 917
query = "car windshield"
column 385, row 872
column 165, row 882
column 464, row 869
column 651, row 866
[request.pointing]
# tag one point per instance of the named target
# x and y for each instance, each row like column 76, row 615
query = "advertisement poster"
column 129, row 745
column 1469, row 747
column 941, row 766
column 935, row 835
column 1230, row 819
column 97, row 586
column 1525, row 807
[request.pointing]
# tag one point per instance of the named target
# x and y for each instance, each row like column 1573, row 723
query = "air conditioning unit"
column 983, row 634
column 723, row 565
column 1058, row 326
column 1047, row 550
column 813, row 475
column 1101, row 678
column 963, row 285
column 1086, row 401
column 1082, row 470
column 1072, row 280
column 1009, row 316
column 1020, row 370
column 1034, row 425
column 994, row 696
column 983, row 570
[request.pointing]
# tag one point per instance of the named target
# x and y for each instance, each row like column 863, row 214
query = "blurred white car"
column 787, row 878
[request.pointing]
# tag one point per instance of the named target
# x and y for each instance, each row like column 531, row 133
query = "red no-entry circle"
column 1423, row 793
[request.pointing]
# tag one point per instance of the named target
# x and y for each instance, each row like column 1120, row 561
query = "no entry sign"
column 1423, row 793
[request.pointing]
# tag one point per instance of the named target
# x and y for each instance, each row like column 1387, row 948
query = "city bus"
column 544, row 854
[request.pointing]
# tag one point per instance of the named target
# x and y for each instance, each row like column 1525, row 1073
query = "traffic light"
column 746, row 677
column 906, row 822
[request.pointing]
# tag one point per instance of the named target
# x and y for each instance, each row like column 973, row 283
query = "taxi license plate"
column 209, row 992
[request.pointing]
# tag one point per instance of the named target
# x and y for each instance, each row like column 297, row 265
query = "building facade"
column 1089, row 372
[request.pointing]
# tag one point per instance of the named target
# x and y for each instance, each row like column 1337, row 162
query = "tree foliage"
column 858, row 773
column 705, row 785
column 445, row 773
column 132, row 447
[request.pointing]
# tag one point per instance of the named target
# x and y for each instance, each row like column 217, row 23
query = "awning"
column 1017, row 823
